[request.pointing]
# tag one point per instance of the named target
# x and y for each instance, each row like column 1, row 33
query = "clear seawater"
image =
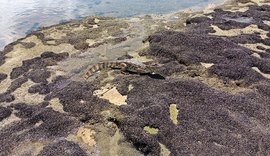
column 20, row 17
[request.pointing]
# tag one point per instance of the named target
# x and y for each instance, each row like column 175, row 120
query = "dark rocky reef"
column 38, row 64
column 41, row 124
column 4, row 113
column 2, row 77
column 227, row 20
column 231, row 61
column 6, row 97
column 211, row 121
column 77, row 98
column 28, row 45
column 61, row 147
column 33, row 69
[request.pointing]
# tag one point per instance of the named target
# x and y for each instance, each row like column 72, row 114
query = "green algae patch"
column 174, row 113
column 164, row 150
column 111, row 141
column 34, row 147
column 150, row 130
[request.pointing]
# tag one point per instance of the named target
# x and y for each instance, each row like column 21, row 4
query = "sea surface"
column 20, row 17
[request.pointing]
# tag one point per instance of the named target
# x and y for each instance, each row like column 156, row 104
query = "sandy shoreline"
column 214, row 99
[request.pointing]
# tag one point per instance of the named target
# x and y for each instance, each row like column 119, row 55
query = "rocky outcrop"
column 213, row 99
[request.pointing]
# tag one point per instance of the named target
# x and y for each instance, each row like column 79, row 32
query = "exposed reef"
column 212, row 97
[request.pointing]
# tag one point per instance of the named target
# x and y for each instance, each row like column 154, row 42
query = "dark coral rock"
column 260, row 48
column 2, row 58
column 54, row 126
column 28, row 45
column 227, row 25
column 119, row 39
column 8, row 48
column 18, row 71
column 227, row 20
column 168, row 70
column 244, row 38
column 207, row 120
column 46, row 59
column 38, row 75
column 264, row 26
column 75, row 38
column 33, row 63
column 265, row 55
column 55, row 123
column 81, row 46
column 39, row 88
column 54, row 56
column 39, row 35
column 243, row 1
column 265, row 145
column 6, row 97
column 124, row 57
column 91, row 21
column 266, row 41
column 17, row 83
column 61, row 148
column 263, row 65
column 24, row 110
column 72, row 93
column 197, row 20
column 264, row 89
column 236, row 72
column 97, row 44
column 2, row 77
column 231, row 60
column 142, row 141
column 4, row 112
column 193, row 48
